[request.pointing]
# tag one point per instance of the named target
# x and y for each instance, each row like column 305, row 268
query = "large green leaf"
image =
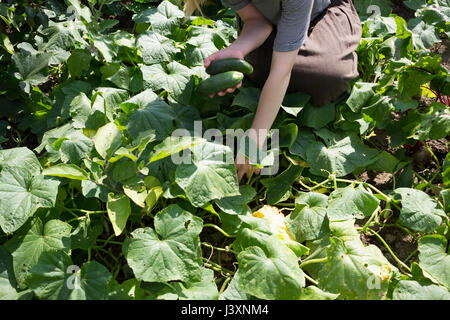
column 434, row 124
column 69, row 171
column 167, row 18
column 234, row 292
column 85, row 234
column 80, row 110
column 350, row 202
column 55, row 277
column 75, row 146
column 107, row 140
column 314, row 293
column 198, row 48
column 62, row 36
column 7, row 280
column 360, row 95
column 52, row 135
column 308, row 221
column 164, row 19
column 78, row 62
column 252, row 232
column 414, row 4
column 434, row 258
column 305, row 137
column 209, row 175
column 31, row 66
column 424, row 35
column 172, row 145
column 271, row 272
column 152, row 113
column 21, row 194
column 119, row 210
column 355, row 271
column 279, row 187
column 156, row 48
column 104, row 43
column 368, row 7
column 170, row 252
column 108, row 100
column 205, row 289
column 413, row 290
column 21, row 158
column 64, row 102
column 91, row 189
column 237, row 204
column 341, row 154
column 247, row 98
column 27, row 245
column 175, row 78
column 79, row 11
column 295, row 102
column 419, row 211
column 317, row 117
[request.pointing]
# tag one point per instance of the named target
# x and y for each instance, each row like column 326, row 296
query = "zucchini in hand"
column 220, row 82
column 229, row 64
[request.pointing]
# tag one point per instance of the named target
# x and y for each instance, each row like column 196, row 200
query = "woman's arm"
column 272, row 96
column 255, row 31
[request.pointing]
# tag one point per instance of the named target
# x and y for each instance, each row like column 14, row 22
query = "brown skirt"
column 326, row 62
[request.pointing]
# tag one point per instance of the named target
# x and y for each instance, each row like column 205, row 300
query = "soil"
column 18, row 138
column 381, row 140
column 381, row 180
column 225, row 259
column 401, row 243
column 399, row 8
column 443, row 48
column 439, row 147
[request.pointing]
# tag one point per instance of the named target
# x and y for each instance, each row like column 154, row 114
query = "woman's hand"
column 243, row 167
column 228, row 52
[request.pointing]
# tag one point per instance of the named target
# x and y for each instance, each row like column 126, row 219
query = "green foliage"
column 101, row 209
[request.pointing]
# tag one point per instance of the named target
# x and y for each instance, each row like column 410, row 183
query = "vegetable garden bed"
column 92, row 205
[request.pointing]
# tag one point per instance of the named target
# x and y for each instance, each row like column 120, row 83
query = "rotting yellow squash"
column 276, row 221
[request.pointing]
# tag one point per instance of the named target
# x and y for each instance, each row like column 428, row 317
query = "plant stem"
column 108, row 253
column 399, row 262
column 402, row 228
column 206, row 244
column 411, row 254
column 112, row 242
column 106, row 241
column 76, row 217
column 224, row 285
column 285, row 204
column 319, row 260
column 219, row 229
column 372, row 216
column 89, row 211
column 216, row 267
column 434, row 157
column 251, row 175
column 319, row 185
column 303, row 185
column 422, row 178
column 334, row 181
column 310, row 279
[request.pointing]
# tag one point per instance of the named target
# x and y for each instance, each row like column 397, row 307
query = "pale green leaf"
column 21, row 194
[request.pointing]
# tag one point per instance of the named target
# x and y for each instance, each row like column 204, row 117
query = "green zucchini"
column 220, row 82
column 229, row 64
